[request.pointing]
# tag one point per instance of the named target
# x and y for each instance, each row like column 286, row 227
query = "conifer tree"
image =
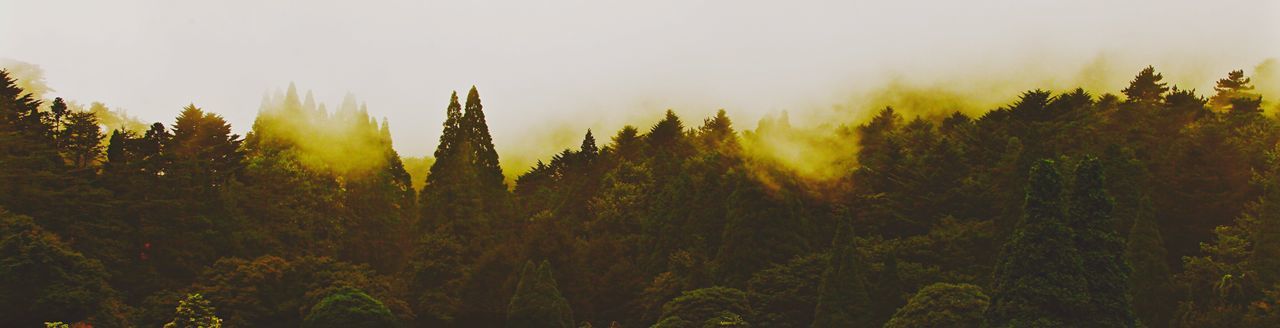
column 1101, row 249
column 588, row 149
column 1039, row 280
column 843, row 300
column 477, row 134
column 1149, row 283
column 759, row 232
column 1234, row 86
column 537, row 302
column 1146, row 88
column 446, row 197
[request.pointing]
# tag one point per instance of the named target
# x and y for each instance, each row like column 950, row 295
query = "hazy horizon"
column 566, row 66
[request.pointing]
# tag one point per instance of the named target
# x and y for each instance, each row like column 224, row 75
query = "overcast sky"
column 551, row 64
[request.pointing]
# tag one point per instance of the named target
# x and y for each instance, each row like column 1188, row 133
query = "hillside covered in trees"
column 1158, row 206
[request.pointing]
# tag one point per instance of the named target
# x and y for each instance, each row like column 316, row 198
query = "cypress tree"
column 537, row 302
column 1101, row 249
column 843, row 300
column 446, row 198
column 477, row 134
column 1039, row 281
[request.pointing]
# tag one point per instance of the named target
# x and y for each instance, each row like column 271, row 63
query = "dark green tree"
column 785, row 294
column 350, row 307
column 1233, row 87
column 706, row 307
column 1149, row 283
column 1101, row 249
column 843, row 298
column 537, row 302
column 477, row 132
column 759, row 232
column 447, row 201
column 81, row 143
column 42, row 279
column 943, row 305
column 1146, row 88
column 1039, row 280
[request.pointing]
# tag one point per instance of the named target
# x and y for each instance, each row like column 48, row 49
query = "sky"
column 548, row 70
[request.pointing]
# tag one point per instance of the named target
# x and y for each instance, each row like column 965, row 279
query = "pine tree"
column 1039, row 280
column 1101, row 249
column 537, row 302
column 1146, row 88
column 1234, row 86
column 843, row 300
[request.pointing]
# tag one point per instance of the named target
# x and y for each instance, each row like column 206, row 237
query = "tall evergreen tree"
column 843, row 300
column 477, row 133
column 537, row 302
column 446, row 200
column 759, row 232
column 1101, row 249
column 1039, row 280
column 1149, row 283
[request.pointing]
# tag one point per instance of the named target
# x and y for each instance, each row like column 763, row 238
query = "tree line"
column 1154, row 207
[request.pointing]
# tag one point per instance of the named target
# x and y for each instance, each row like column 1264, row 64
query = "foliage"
column 706, row 307
column 1039, row 281
column 943, row 305
column 194, row 312
column 537, row 302
column 350, row 307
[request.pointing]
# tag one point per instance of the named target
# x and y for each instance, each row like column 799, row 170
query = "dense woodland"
column 1156, row 207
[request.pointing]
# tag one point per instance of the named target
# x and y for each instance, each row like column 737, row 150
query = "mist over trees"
column 1156, row 206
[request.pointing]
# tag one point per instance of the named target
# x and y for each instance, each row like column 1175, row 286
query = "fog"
column 549, row 70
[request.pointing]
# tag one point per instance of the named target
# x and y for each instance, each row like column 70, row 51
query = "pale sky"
column 549, row 65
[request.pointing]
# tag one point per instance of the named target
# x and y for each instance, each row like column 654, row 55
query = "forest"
column 1157, row 206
